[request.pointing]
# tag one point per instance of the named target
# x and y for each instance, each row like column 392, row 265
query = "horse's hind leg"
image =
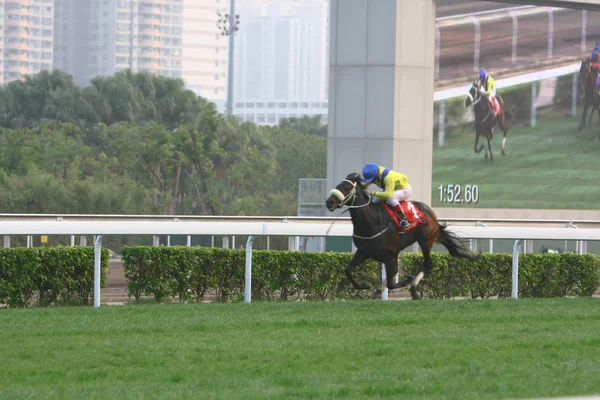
column 427, row 263
column 359, row 257
column 504, row 128
column 489, row 142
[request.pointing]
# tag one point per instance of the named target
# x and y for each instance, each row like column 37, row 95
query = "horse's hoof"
column 363, row 286
column 414, row 294
column 376, row 294
column 503, row 153
column 405, row 282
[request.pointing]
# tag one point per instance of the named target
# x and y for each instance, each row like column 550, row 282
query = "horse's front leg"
column 359, row 258
column 477, row 150
column 489, row 142
column 584, row 115
column 391, row 270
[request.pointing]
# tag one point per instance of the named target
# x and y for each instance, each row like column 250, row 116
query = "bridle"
column 348, row 202
column 349, row 199
column 478, row 94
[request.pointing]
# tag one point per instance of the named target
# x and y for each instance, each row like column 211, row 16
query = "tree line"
column 136, row 143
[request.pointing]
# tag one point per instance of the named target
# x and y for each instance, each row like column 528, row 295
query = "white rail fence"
column 513, row 14
column 254, row 229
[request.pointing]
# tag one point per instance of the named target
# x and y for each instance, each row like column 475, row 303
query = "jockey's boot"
column 403, row 222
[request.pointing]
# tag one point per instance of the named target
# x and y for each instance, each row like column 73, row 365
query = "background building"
column 101, row 37
column 281, row 60
column 27, row 36
column 204, row 50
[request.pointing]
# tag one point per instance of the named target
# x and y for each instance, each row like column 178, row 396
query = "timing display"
column 459, row 194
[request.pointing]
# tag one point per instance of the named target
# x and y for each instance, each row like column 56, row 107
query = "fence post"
column 583, row 30
column 515, row 270
column 385, row 292
column 550, row 31
column 437, row 52
column 477, row 42
column 248, row 272
column 574, row 95
column 533, row 103
column 97, row 267
column 441, row 123
column 515, row 37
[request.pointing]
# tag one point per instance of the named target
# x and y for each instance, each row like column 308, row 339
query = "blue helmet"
column 370, row 171
column 482, row 74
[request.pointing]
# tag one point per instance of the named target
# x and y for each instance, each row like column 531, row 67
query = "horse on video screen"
column 485, row 121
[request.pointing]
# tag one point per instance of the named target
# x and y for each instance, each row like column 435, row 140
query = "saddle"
column 414, row 216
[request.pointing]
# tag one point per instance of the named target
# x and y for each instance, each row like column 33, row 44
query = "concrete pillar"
column 381, row 77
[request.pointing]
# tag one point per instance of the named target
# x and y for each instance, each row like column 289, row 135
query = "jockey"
column 489, row 84
column 594, row 58
column 395, row 188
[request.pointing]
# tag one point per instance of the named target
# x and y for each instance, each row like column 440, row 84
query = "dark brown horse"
column 587, row 81
column 376, row 235
column 485, row 121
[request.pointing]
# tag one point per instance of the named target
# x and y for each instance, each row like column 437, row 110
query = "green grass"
column 549, row 166
column 485, row 349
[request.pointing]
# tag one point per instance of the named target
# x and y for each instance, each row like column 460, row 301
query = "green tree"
column 309, row 124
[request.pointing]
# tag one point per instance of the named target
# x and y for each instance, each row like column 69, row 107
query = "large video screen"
column 537, row 145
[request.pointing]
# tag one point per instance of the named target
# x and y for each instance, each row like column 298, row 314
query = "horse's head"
column 472, row 95
column 345, row 192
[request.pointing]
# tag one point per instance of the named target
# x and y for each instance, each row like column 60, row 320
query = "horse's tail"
column 454, row 244
column 439, row 233
column 513, row 112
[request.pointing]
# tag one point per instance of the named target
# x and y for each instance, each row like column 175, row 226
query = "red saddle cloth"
column 414, row 216
column 497, row 107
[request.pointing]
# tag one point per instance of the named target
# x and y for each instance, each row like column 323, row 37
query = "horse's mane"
column 355, row 177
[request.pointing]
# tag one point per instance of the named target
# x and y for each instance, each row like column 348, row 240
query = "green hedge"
column 540, row 275
column 189, row 272
column 563, row 93
column 48, row 275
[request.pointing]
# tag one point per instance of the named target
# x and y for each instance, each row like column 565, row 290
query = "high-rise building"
column 101, row 37
column 281, row 60
column 27, row 36
column 204, row 60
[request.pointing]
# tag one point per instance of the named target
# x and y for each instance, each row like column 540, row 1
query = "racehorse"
column 485, row 121
column 376, row 234
column 587, row 81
